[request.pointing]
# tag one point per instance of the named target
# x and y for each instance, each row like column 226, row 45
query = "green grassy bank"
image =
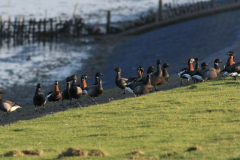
column 163, row 125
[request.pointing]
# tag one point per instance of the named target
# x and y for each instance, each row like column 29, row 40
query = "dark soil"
column 28, row 113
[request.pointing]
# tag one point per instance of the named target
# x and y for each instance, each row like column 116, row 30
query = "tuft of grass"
column 23, row 153
column 195, row 148
column 97, row 152
column 72, row 152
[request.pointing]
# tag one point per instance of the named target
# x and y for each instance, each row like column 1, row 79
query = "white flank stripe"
column 197, row 77
column 233, row 74
column 129, row 90
column 14, row 108
column 187, row 76
column 85, row 91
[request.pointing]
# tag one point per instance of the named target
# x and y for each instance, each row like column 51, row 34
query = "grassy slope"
column 206, row 114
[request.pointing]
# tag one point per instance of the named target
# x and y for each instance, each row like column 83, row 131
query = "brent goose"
column 198, row 76
column 65, row 90
column 7, row 106
column 97, row 77
column 55, row 95
column 119, row 81
column 144, row 86
column 74, row 91
column 165, row 74
column 211, row 73
column 93, row 90
column 39, row 98
column 157, row 77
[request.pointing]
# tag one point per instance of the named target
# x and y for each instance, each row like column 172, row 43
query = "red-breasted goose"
column 74, row 91
column 7, row 106
column 119, row 81
column 39, row 98
column 140, row 70
column 185, row 73
column 211, row 73
column 93, row 90
column 65, row 90
column 231, row 68
column 55, row 95
column 144, row 86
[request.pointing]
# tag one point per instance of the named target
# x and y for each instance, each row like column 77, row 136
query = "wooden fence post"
column 108, row 21
column 9, row 25
column 212, row 3
column 1, row 25
column 159, row 18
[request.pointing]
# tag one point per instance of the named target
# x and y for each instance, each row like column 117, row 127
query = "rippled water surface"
column 40, row 62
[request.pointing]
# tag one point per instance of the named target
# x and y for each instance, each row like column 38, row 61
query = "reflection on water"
column 42, row 62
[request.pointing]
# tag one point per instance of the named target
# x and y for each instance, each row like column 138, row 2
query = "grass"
column 194, row 122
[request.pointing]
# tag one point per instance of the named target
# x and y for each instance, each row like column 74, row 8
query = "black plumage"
column 39, row 98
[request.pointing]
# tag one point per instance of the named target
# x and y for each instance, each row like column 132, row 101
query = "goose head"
column 231, row 54
column 56, row 83
column 165, row 65
column 68, row 79
column 98, row 74
column 150, row 69
column 191, row 60
column 117, row 69
column 159, row 62
column 218, row 61
column 73, row 77
column 39, row 85
column 83, row 77
column 203, row 65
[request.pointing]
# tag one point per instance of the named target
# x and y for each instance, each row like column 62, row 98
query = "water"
column 42, row 62
column 93, row 11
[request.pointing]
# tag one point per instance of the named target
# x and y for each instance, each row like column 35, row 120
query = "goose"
column 157, row 77
column 165, row 74
column 74, row 91
column 92, row 90
column 65, row 90
column 39, row 98
column 140, row 70
column 119, row 81
column 198, row 76
column 55, row 95
column 97, row 77
column 211, row 73
column 186, row 73
column 231, row 68
column 7, row 106
column 144, row 86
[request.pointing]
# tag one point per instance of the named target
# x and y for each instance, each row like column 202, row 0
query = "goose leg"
column 235, row 78
column 79, row 103
column 181, row 82
column 36, row 108
column 94, row 100
column 156, row 88
column 124, row 92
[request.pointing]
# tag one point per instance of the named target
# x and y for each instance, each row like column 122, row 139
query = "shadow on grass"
column 234, row 159
column 229, row 83
column 18, row 130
